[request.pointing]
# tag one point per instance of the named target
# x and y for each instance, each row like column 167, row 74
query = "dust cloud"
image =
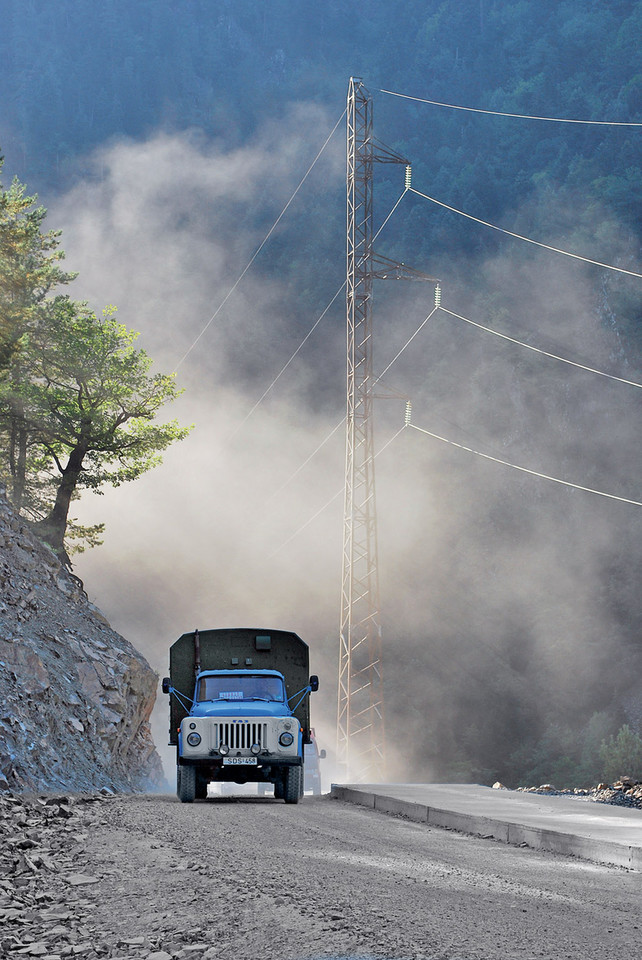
column 164, row 229
column 506, row 599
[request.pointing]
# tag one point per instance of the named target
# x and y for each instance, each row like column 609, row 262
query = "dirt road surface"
column 248, row 878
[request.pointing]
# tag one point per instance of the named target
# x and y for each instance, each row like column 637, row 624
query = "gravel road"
column 248, row 877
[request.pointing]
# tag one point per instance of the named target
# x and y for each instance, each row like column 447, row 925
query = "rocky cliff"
column 75, row 697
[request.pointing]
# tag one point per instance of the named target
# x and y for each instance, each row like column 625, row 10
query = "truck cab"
column 220, row 691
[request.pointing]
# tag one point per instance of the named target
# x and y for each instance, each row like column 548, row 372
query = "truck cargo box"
column 241, row 649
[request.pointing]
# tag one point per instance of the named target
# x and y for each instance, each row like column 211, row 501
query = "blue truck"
column 239, row 710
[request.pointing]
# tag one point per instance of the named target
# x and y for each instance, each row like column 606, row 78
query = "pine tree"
column 29, row 270
column 78, row 402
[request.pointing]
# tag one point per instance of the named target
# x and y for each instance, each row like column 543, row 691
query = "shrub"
column 622, row 755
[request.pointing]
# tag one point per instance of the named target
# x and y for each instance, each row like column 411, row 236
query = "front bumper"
column 237, row 737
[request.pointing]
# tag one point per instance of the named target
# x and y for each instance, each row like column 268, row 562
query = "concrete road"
column 246, row 878
column 573, row 826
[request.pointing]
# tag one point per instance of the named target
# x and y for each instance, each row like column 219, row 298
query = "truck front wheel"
column 292, row 785
column 186, row 783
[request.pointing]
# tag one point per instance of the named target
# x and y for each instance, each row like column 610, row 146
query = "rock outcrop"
column 625, row 792
column 75, row 697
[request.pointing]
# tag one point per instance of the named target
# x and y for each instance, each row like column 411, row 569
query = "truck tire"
column 186, row 784
column 292, row 785
column 279, row 790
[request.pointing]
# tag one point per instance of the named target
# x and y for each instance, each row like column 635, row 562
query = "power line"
column 286, row 365
column 303, row 342
column 306, row 461
column 407, row 343
column 417, row 331
column 332, row 498
column 261, row 245
column 306, row 524
column 445, row 440
column 405, row 191
column 545, row 353
column 503, row 336
column 514, row 466
column 515, row 116
column 517, row 236
column 342, row 421
column 396, row 357
column 459, row 446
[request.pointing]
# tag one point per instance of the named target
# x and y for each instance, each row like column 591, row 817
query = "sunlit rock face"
column 75, row 697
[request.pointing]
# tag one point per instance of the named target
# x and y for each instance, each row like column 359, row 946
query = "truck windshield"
column 240, row 688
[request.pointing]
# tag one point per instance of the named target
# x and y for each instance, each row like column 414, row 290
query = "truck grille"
column 241, row 736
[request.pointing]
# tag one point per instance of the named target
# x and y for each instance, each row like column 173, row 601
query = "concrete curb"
column 508, row 830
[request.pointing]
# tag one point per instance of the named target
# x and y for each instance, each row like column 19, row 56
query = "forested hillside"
column 79, row 72
column 171, row 134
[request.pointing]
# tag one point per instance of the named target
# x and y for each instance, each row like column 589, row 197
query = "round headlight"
column 255, row 748
column 223, row 749
column 286, row 739
column 193, row 739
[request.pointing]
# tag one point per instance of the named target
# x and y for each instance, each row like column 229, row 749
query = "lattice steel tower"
column 360, row 720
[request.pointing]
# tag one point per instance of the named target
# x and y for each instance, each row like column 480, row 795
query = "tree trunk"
column 18, row 455
column 53, row 527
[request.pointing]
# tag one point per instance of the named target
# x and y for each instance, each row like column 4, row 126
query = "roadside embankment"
column 75, row 697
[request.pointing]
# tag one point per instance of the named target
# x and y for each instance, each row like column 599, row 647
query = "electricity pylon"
column 360, row 720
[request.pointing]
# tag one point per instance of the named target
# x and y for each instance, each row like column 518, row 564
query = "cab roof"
column 257, row 672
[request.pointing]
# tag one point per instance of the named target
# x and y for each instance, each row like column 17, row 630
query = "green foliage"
column 591, row 763
column 90, row 401
column 79, row 537
column 565, row 756
column 29, row 267
column 225, row 68
column 78, row 401
column 622, row 755
column 551, row 759
column 90, row 390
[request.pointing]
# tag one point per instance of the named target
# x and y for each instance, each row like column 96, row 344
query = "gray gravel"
column 147, row 877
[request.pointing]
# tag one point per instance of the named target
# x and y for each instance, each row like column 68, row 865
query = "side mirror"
column 322, row 754
column 165, row 685
column 314, row 683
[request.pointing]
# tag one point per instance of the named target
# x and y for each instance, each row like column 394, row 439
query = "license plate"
column 240, row 761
